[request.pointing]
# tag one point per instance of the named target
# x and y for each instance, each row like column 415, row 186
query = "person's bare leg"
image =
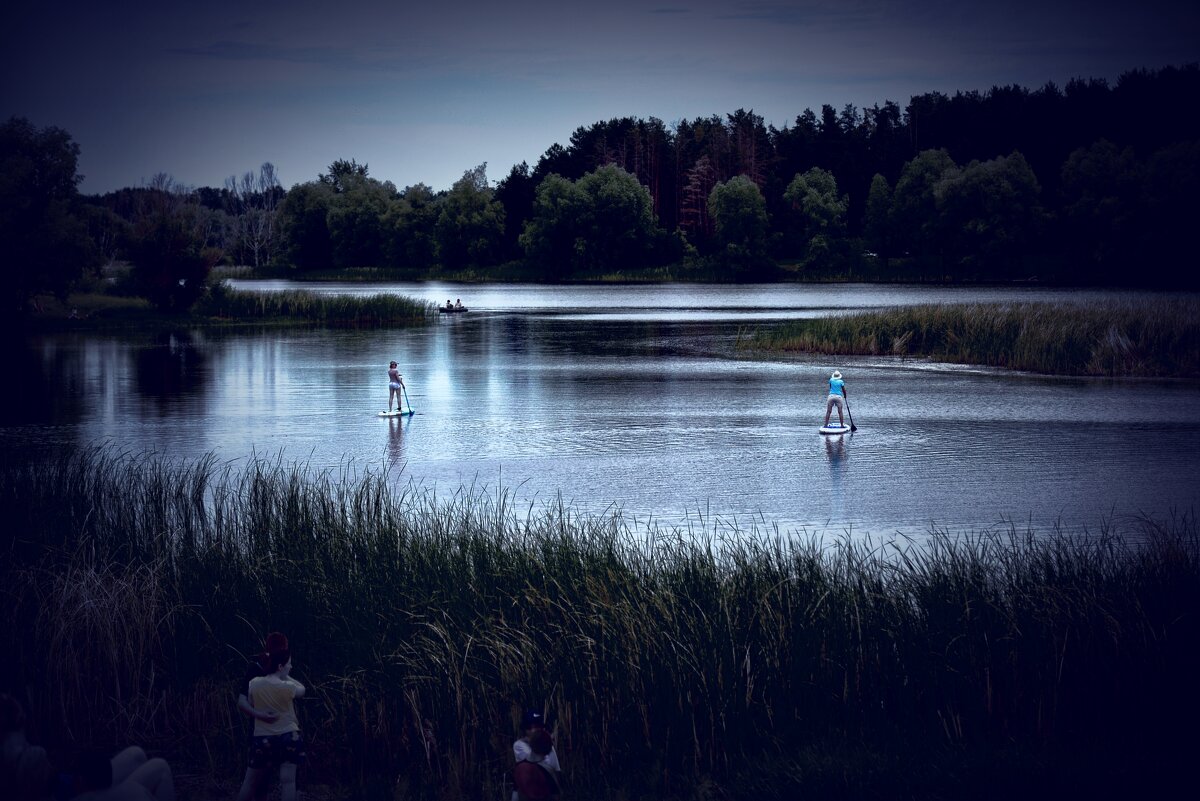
column 126, row 762
column 252, row 784
column 287, row 781
column 157, row 778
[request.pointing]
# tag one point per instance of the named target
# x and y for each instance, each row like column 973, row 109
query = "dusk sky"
column 423, row 91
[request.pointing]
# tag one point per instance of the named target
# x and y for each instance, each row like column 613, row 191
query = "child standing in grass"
column 275, row 742
column 260, row 665
column 535, row 776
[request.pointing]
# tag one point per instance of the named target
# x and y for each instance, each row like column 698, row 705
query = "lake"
column 635, row 397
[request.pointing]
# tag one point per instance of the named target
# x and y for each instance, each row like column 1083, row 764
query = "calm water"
column 633, row 397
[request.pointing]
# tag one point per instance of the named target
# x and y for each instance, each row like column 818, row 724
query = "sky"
column 422, row 92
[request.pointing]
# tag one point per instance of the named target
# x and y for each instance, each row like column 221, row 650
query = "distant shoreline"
column 1118, row 338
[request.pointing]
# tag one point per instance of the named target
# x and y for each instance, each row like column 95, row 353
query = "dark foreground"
column 675, row 665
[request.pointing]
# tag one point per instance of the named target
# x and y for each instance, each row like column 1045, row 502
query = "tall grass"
column 678, row 663
column 1116, row 338
column 373, row 310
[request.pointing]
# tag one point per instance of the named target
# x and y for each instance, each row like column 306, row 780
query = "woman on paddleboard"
column 837, row 397
column 395, row 386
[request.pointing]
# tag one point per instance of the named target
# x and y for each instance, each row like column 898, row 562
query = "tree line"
column 1090, row 183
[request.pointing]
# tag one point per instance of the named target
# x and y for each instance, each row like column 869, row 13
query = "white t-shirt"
column 524, row 753
column 274, row 694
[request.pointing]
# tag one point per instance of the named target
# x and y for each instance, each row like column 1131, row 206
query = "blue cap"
column 532, row 718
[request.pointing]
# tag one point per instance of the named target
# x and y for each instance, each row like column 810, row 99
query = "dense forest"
column 1090, row 183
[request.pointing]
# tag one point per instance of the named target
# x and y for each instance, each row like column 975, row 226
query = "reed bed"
column 1115, row 338
column 369, row 311
column 698, row 662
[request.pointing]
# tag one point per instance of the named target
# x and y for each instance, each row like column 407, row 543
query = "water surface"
column 635, row 397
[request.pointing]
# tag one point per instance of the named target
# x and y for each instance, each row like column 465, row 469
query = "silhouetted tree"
column 1172, row 207
column 253, row 200
column 410, row 229
column 552, row 231
column 990, row 216
column 304, row 223
column 46, row 244
column 914, row 204
column 603, row 221
column 1103, row 212
column 170, row 259
column 819, row 214
column 516, row 194
column 877, row 231
column 470, row 227
column 739, row 215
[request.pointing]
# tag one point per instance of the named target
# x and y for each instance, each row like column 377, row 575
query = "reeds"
column 1113, row 338
column 372, row 310
column 670, row 658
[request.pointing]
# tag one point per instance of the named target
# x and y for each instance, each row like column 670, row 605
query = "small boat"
column 451, row 309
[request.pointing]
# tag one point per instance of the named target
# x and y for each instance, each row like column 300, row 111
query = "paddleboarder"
column 837, row 397
column 395, row 386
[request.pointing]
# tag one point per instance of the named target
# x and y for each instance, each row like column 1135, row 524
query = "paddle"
column 406, row 400
column 853, row 427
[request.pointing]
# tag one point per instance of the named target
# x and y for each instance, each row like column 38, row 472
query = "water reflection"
column 657, row 417
column 395, row 441
column 171, row 368
column 52, row 383
column 836, row 455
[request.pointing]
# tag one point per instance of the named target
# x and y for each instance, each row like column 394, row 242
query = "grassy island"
column 225, row 307
column 1118, row 338
column 677, row 664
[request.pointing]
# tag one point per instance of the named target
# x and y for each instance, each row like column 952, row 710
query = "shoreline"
column 1121, row 338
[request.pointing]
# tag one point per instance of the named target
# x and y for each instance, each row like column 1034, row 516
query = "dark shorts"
column 276, row 749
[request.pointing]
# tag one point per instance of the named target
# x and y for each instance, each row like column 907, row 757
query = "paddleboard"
column 834, row 428
column 396, row 413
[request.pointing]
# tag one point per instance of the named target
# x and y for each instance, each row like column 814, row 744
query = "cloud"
column 834, row 16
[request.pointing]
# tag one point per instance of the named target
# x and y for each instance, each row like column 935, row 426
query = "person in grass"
column 395, row 386
column 128, row 776
column 277, row 742
column 260, row 665
column 837, row 397
column 25, row 772
column 537, row 770
column 27, row 775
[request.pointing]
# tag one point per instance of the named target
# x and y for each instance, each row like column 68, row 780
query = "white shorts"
column 835, row 400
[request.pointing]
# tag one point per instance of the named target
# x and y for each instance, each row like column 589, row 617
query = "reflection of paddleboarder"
column 835, row 452
column 395, row 386
column 395, row 446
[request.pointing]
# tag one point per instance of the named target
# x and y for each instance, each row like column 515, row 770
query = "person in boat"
column 458, row 303
column 837, row 397
column 395, row 386
column 449, row 305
